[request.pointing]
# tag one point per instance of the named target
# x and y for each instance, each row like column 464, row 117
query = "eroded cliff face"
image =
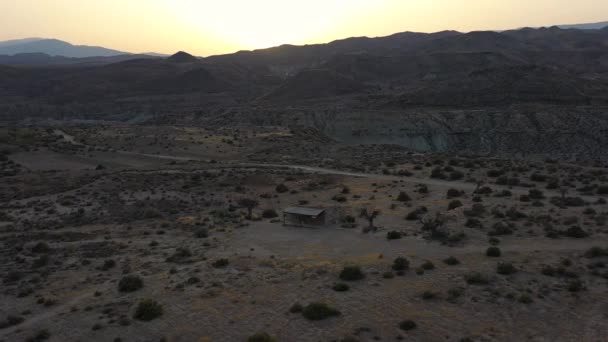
column 558, row 132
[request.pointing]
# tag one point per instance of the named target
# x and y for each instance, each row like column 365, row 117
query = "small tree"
column 370, row 215
column 249, row 204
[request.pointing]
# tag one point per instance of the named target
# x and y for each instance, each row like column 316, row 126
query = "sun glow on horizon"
column 206, row 27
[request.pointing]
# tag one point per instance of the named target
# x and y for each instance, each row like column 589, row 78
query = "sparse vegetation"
column 147, row 310
column 319, row 311
column 351, row 273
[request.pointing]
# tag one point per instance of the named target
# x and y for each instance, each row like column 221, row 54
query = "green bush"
column 576, row 232
column 41, row 335
column 505, row 268
column 147, row 310
column 130, row 283
column 451, row 261
column 493, row 252
column 41, row 247
column 351, row 273
column 269, row 214
column 11, row 321
column 220, row 263
column 596, row 252
column 403, row 197
column 454, row 204
column 407, row 325
column 393, row 235
column 261, row 337
column 576, row 286
column 281, row 188
column 201, row 233
column 427, row 295
column 296, row 308
column 428, row 265
column 340, row 287
column 401, row 264
column 319, row 311
column 476, row 278
column 452, row 193
column 416, row 214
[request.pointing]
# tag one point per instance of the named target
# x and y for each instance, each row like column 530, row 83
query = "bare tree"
column 435, row 226
column 370, row 215
column 249, row 204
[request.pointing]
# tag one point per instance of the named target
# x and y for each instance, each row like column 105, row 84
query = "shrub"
column 269, row 214
column 147, row 310
column 281, row 188
column 451, row 261
column 454, row 204
column 41, row 335
column 393, row 235
column 438, row 173
column 130, row 283
column 477, row 210
column 341, row 287
column 476, row 278
column 576, row 286
column 426, row 295
column 576, row 232
column 401, row 264
column 201, row 233
column 473, row 223
column 351, row 273
column 319, row 311
column 456, row 175
column 452, row 193
column 455, row 292
column 296, row 308
column 407, row 325
column 493, row 252
column 108, row 264
column 403, row 197
column 500, row 228
column 42, row 261
column 428, row 265
column 180, row 254
column 525, row 299
column 349, row 221
column 596, row 252
column 388, row 275
column 535, row 194
column 416, row 214
column 11, row 321
column 505, row 268
column 339, row 198
column 494, row 173
column 261, row 337
column 220, row 263
column 41, row 247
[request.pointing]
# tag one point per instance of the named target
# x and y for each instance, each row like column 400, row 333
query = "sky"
column 208, row 27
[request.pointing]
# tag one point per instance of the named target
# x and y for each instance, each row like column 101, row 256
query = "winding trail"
column 319, row 170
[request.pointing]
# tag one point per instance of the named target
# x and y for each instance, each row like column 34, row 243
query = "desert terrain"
column 125, row 232
column 462, row 178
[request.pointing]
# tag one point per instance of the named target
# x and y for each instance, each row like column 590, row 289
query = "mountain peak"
column 182, row 57
column 54, row 47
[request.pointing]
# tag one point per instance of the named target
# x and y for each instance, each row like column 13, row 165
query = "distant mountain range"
column 54, row 47
column 591, row 26
column 59, row 48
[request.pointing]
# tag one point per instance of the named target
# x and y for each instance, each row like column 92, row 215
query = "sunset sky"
column 206, row 27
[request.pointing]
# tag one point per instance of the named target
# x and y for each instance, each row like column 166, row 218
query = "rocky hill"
column 545, row 70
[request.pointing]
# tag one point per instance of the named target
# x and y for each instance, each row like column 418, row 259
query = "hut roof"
column 305, row 211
